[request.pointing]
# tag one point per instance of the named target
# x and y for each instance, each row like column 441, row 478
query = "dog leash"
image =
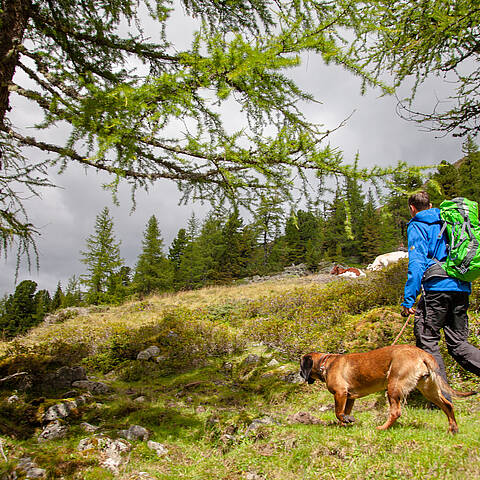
column 403, row 328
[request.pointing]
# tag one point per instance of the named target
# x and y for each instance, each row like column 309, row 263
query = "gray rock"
column 64, row 409
column 135, row 433
column 251, row 359
column 261, row 421
column 253, row 476
column 36, row 472
column 87, row 427
column 67, row 313
column 140, row 399
column 160, row 449
column 53, row 431
column 98, row 388
column 64, row 377
column 29, row 469
column 149, row 353
column 273, row 363
column 61, row 410
column 293, row 377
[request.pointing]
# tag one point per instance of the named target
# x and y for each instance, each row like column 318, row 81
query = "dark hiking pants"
column 447, row 310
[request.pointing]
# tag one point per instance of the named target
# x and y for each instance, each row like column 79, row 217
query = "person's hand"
column 407, row 311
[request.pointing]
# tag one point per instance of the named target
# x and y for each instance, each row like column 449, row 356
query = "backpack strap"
column 472, row 247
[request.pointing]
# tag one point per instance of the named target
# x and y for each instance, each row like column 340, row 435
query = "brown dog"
column 397, row 369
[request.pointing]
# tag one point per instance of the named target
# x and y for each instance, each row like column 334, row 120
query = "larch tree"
column 141, row 108
column 419, row 40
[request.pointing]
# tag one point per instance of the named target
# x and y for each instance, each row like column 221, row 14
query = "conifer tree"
column 57, row 299
column 371, row 239
column 355, row 204
column 421, row 40
column 102, row 257
column 73, row 295
column 303, row 238
column 268, row 219
column 447, row 179
column 396, row 200
column 336, row 234
column 199, row 263
column 469, row 171
column 179, row 246
column 20, row 310
column 153, row 273
column 42, row 304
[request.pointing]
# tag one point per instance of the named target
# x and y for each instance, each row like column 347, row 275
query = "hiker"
column 444, row 300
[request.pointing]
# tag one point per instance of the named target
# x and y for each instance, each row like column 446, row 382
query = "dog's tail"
column 445, row 388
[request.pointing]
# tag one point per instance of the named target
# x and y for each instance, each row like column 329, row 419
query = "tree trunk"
column 14, row 16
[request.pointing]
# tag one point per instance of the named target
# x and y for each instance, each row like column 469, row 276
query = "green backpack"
column 460, row 217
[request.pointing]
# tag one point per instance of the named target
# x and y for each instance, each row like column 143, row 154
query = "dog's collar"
column 322, row 369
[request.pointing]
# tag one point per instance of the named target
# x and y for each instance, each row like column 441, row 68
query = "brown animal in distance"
column 398, row 369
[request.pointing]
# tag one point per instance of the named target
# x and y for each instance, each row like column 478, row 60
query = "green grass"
column 202, row 398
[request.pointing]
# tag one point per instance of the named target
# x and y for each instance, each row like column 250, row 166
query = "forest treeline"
column 353, row 228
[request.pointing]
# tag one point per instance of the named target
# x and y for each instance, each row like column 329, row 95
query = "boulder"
column 261, row 421
column 29, row 469
column 97, row 388
column 63, row 378
column 148, row 353
column 160, row 449
column 111, row 451
column 135, row 433
column 87, row 427
column 53, row 431
column 64, row 409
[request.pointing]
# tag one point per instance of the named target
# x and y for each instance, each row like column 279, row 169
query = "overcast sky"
column 66, row 215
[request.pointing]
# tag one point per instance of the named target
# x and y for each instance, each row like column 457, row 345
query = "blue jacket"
column 423, row 246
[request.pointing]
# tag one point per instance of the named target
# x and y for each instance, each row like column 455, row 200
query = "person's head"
column 418, row 201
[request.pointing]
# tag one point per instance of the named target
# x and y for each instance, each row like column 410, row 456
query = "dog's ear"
column 306, row 364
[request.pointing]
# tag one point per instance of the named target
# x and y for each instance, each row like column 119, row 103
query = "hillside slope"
column 205, row 385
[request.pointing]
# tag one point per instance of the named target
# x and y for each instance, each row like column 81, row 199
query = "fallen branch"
column 11, row 377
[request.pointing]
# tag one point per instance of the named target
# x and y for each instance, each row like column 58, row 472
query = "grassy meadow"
column 219, row 398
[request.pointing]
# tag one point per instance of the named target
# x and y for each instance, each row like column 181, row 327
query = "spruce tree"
column 20, row 310
column 446, row 178
column 199, row 264
column 371, row 238
column 57, row 299
column 303, row 238
column 73, row 295
column 268, row 218
column 179, row 246
column 153, row 273
column 335, row 232
column 102, row 257
column 355, row 205
column 42, row 304
column 231, row 261
column 469, row 171
column 396, row 200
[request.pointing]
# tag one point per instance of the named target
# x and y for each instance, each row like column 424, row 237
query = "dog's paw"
column 348, row 419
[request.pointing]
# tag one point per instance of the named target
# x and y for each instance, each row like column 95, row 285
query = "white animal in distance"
column 386, row 259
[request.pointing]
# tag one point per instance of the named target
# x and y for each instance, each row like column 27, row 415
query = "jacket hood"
column 429, row 216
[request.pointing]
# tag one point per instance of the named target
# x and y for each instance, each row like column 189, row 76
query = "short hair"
column 420, row 200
